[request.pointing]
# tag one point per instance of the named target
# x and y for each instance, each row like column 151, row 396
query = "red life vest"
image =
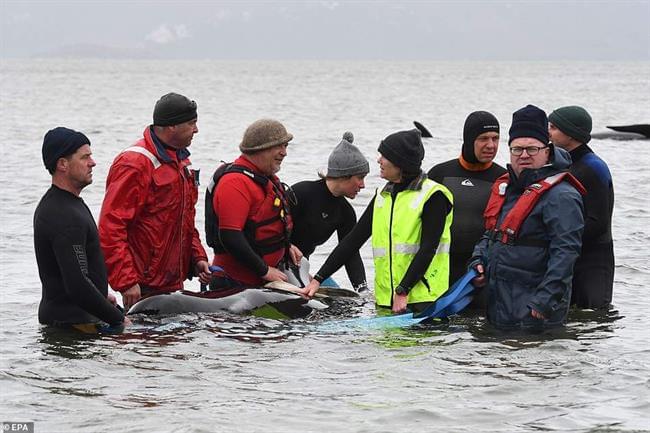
column 261, row 230
column 508, row 231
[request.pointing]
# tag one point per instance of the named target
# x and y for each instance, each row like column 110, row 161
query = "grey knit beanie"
column 264, row 134
column 346, row 160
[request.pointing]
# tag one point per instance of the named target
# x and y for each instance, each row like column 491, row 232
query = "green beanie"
column 574, row 121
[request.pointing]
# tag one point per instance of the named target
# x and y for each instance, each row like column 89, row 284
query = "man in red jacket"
column 146, row 226
column 248, row 217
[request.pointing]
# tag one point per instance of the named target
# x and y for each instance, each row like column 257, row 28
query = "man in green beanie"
column 593, row 275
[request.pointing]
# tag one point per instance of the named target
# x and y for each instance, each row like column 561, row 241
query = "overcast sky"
column 427, row 30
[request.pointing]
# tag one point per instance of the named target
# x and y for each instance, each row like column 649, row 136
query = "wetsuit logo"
column 467, row 182
column 80, row 253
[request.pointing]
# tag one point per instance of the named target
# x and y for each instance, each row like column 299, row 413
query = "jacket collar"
column 161, row 149
column 414, row 185
column 471, row 166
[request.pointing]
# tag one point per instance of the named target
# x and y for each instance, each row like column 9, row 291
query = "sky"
column 364, row 30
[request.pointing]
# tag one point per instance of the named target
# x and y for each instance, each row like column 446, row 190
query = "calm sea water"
column 204, row 373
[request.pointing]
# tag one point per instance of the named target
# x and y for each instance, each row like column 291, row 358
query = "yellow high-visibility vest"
column 396, row 233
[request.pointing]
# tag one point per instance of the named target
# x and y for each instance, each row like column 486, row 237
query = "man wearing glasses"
column 534, row 225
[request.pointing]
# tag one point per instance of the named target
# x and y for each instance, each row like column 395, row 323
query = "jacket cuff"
column 545, row 310
column 475, row 261
column 263, row 271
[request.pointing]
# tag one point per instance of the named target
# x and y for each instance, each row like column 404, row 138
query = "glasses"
column 530, row 150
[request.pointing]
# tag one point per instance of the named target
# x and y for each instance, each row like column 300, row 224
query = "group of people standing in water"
column 538, row 232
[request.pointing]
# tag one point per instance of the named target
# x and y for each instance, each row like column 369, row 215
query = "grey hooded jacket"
column 524, row 277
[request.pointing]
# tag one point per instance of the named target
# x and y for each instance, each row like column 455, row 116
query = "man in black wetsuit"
column 469, row 178
column 70, row 261
column 321, row 208
column 593, row 274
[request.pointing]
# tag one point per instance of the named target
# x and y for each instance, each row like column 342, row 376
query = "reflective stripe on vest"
column 141, row 150
column 511, row 223
column 397, row 228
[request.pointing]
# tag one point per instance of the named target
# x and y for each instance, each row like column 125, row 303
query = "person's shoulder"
column 59, row 209
column 133, row 163
column 497, row 169
column 595, row 163
column 304, row 185
column 564, row 191
column 443, row 167
column 237, row 181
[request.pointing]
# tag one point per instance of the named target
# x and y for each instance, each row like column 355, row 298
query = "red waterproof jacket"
column 146, row 226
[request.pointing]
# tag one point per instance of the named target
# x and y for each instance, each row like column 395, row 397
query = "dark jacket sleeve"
column 236, row 244
column 480, row 253
column 69, row 249
column 564, row 222
column 434, row 214
column 354, row 266
column 350, row 245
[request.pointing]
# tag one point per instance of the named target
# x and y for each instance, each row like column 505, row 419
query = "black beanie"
column 404, row 149
column 529, row 121
column 61, row 142
column 476, row 124
column 173, row 109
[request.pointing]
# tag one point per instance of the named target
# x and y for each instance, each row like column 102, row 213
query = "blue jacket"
column 525, row 277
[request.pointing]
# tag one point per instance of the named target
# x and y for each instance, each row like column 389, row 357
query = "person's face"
column 183, row 133
column 486, row 146
column 526, row 160
column 559, row 138
column 79, row 167
column 388, row 170
column 350, row 186
column 271, row 159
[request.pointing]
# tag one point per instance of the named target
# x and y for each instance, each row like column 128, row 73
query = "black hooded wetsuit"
column 70, row 263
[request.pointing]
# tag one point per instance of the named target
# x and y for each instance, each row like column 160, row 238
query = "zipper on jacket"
column 390, row 249
column 180, row 228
